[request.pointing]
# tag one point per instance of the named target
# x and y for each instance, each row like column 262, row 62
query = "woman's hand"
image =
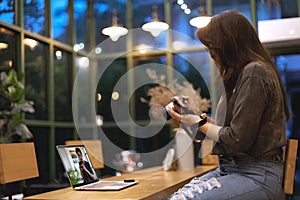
column 188, row 119
column 208, row 129
column 175, row 115
column 210, row 120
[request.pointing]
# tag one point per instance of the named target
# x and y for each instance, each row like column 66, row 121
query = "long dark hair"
column 234, row 40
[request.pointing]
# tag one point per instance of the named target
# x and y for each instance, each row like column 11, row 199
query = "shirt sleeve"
column 248, row 107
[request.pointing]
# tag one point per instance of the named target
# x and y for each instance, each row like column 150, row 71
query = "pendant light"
column 202, row 20
column 116, row 30
column 155, row 27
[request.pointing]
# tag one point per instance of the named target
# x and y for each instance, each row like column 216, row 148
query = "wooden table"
column 154, row 183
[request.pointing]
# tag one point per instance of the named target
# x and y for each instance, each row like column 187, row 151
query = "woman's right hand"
column 210, row 120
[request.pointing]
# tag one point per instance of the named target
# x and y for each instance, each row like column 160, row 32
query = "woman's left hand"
column 175, row 115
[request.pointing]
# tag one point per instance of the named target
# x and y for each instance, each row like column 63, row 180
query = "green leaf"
column 16, row 93
column 12, row 77
column 17, row 119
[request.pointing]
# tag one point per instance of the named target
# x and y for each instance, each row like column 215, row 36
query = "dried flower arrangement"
column 161, row 95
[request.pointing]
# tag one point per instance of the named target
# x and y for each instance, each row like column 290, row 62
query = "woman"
column 249, row 142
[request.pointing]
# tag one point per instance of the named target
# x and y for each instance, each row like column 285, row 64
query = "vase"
column 184, row 149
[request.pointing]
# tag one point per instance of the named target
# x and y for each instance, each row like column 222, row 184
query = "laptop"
column 81, row 173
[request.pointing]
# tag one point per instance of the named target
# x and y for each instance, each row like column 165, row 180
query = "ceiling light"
column 183, row 6
column 116, row 30
column 202, row 20
column 58, row 55
column 187, row 11
column 78, row 47
column 179, row 2
column 155, row 27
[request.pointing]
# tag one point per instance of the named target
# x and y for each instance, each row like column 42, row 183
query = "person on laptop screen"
column 85, row 168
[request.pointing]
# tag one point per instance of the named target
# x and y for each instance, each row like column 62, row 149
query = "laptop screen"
column 77, row 164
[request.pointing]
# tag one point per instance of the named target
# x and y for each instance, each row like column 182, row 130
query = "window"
column 7, row 11
column 107, row 91
column 8, row 46
column 289, row 69
column 34, row 16
column 60, row 21
column 142, row 13
column 63, row 75
column 104, row 10
column 36, row 76
column 275, row 9
column 242, row 6
column 143, row 82
column 80, row 18
column 182, row 13
column 195, row 68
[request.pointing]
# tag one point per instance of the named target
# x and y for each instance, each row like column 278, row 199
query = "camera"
column 180, row 102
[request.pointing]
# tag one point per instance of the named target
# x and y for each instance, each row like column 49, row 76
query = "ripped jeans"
column 243, row 178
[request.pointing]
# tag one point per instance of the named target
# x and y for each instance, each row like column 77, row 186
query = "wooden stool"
column 290, row 156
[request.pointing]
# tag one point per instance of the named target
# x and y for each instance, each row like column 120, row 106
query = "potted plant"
column 17, row 157
column 12, row 107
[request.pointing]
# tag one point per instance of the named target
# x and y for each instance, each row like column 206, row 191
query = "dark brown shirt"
column 255, row 121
